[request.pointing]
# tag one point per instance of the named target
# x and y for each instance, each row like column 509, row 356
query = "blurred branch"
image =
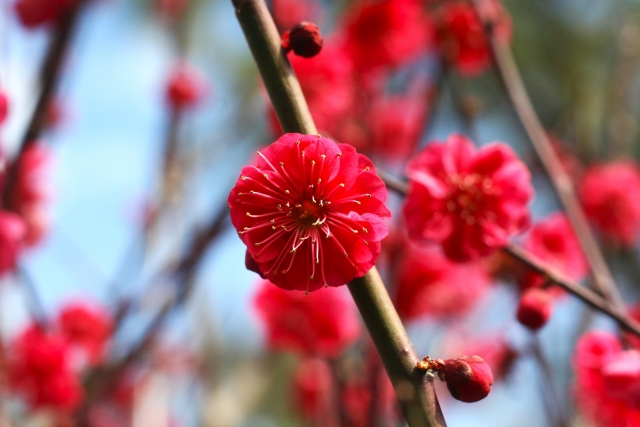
column 101, row 380
column 414, row 389
column 36, row 308
column 50, row 76
column 561, row 182
column 552, row 401
column 531, row 261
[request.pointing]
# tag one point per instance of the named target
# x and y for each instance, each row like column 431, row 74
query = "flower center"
column 308, row 213
column 469, row 196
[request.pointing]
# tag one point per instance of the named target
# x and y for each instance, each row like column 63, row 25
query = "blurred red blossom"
column 468, row 378
column 30, row 191
column 328, row 86
column 610, row 195
column 431, row 285
column 312, row 386
column 471, row 201
column 34, row 13
column 186, row 87
column 554, row 241
column 38, row 368
column 4, row 106
column 386, row 33
column 461, row 36
column 607, row 380
column 396, row 124
column 311, row 212
column 535, row 308
column 12, row 234
column 323, row 323
column 87, row 327
column 288, row 13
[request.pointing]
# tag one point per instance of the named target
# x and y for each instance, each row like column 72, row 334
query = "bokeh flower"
column 470, row 201
column 38, row 368
column 386, row 33
column 554, row 241
column 431, row 285
column 323, row 323
column 607, row 388
column 610, row 195
column 87, row 327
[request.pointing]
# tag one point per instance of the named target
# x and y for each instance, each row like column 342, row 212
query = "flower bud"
column 535, row 308
column 185, row 88
column 468, row 378
column 304, row 39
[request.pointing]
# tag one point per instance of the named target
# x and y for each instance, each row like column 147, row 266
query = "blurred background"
column 158, row 105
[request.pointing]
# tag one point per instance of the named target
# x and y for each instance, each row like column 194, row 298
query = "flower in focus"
column 462, row 38
column 429, row 284
column 320, row 324
column 471, row 201
column 386, row 33
column 607, row 380
column 610, row 195
column 304, row 40
column 311, row 212
column 38, row 369
column 535, row 308
column 86, row 327
column 554, row 241
column 468, row 378
column 185, row 88
column 34, row 13
column 30, row 191
column 12, row 234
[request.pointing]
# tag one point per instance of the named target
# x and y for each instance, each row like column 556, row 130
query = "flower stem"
column 414, row 389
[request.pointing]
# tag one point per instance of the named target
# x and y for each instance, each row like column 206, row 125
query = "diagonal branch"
column 414, row 389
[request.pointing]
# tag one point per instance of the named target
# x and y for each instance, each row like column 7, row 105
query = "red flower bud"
column 468, row 378
column 535, row 308
column 304, row 39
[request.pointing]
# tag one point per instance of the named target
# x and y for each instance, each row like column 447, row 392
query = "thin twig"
column 511, row 80
column 414, row 389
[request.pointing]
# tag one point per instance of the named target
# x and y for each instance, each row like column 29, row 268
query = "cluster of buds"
column 468, row 378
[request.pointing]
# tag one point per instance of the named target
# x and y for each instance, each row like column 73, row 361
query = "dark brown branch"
column 414, row 389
